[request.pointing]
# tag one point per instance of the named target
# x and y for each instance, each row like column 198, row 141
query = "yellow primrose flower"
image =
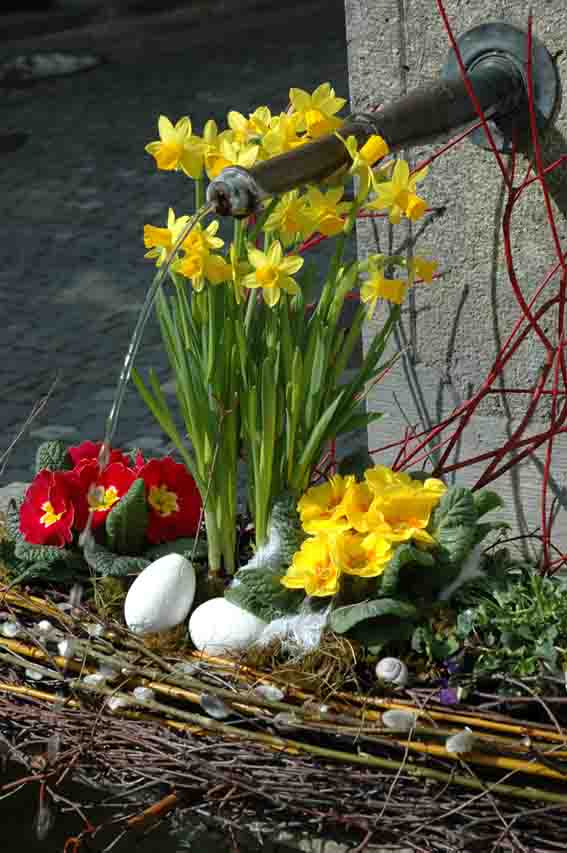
column 356, row 503
column 312, row 569
column 363, row 161
column 380, row 478
column 363, row 556
column 250, row 129
column 283, row 135
column 422, row 268
column 290, row 219
column 160, row 241
column 318, row 110
column 177, row 148
column 402, row 507
column 398, row 195
column 272, row 272
column 327, row 210
column 321, row 508
column 379, row 287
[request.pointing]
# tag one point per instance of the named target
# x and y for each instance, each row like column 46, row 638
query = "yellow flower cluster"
column 296, row 216
column 354, row 527
column 246, row 140
column 197, row 260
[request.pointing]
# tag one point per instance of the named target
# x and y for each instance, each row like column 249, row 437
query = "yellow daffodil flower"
column 363, row 161
column 317, row 110
column 222, row 150
column 291, row 219
column 422, row 268
column 321, row 508
column 160, row 241
column 379, row 287
column 283, row 135
column 272, row 272
column 199, row 263
column 177, row 148
column 398, row 196
column 312, row 569
column 251, row 129
column 327, row 210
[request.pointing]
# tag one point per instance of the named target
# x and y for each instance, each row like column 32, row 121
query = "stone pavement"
column 75, row 197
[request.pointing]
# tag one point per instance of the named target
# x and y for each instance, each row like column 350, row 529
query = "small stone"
column 96, row 679
column 215, row 707
column 144, row 694
column 402, row 720
column 269, row 692
column 115, row 703
column 67, row 648
column 462, row 742
column 34, row 674
column 10, row 630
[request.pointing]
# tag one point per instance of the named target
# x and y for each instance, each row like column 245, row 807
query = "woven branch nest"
column 315, row 759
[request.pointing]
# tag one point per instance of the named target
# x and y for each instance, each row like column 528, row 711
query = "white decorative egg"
column 219, row 627
column 161, row 596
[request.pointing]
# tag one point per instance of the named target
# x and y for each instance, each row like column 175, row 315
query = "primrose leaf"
column 261, row 592
column 374, row 621
column 127, row 521
column 53, row 455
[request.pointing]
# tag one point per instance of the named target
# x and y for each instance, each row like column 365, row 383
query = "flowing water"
column 86, row 540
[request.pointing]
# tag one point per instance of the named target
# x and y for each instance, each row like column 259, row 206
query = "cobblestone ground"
column 74, row 199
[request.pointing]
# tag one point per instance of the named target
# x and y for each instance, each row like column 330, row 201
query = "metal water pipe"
column 495, row 59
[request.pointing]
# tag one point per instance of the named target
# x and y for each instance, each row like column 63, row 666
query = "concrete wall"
column 452, row 329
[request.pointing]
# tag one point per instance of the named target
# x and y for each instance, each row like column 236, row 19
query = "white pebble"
column 45, row 626
column 114, row 703
column 145, row 694
column 403, row 720
column 462, row 742
column 97, row 679
column 94, row 629
column 66, row 648
column 10, row 629
column 34, row 674
column 269, row 692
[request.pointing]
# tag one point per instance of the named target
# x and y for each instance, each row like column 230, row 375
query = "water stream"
column 86, row 540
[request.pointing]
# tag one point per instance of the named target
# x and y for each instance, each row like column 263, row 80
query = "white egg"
column 219, row 627
column 161, row 596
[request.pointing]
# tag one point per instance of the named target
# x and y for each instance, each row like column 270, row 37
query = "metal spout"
column 494, row 57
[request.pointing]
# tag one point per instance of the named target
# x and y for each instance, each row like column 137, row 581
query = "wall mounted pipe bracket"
column 499, row 40
column 494, row 56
